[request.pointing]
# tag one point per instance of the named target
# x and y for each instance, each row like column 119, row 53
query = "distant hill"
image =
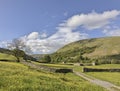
column 97, row 48
column 7, row 55
column 6, row 51
column 38, row 56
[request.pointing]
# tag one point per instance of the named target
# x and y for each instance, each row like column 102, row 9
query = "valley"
column 36, row 73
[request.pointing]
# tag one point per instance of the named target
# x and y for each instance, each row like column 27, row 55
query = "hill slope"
column 107, row 48
column 7, row 55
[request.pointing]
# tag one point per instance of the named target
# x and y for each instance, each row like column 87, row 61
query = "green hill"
column 7, row 55
column 38, row 56
column 6, row 51
column 97, row 48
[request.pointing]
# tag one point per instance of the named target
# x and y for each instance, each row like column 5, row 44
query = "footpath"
column 109, row 86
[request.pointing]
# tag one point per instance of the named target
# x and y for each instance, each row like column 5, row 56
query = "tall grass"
column 17, row 77
column 105, row 66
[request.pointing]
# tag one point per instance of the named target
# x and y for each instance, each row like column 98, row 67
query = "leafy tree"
column 18, row 53
column 47, row 58
column 80, row 58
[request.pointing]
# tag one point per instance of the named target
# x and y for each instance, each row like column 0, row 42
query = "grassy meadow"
column 7, row 57
column 55, row 65
column 105, row 66
column 113, row 77
column 17, row 77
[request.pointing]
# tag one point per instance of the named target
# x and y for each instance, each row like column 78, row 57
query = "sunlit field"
column 7, row 57
column 17, row 77
column 113, row 77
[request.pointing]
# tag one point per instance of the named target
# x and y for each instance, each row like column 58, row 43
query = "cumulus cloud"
column 114, row 32
column 44, row 35
column 52, row 43
column 92, row 20
column 3, row 44
column 33, row 35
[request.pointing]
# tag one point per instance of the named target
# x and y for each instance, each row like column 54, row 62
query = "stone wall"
column 46, row 68
column 101, row 70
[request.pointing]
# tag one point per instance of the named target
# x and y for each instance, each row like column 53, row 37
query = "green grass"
column 78, row 68
column 105, row 66
column 7, row 57
column 113, row 77
column 55, row 65
column 17, row 77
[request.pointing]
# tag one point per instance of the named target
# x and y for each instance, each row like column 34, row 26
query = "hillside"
column 96, row 48
column 38, row 56
column 7, row 55
column 6, row 51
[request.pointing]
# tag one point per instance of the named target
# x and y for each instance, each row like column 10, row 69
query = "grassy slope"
column 113, row 77
column 103, row 47
column 7, row 57
column 17, row 77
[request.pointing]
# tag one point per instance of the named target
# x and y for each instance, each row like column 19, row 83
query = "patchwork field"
column 17, row 77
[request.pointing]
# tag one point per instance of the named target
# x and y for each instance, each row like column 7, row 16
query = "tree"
column 18, row 53
column 47, row 58
column 16, row 44
column 18, row 47
column 80, row 57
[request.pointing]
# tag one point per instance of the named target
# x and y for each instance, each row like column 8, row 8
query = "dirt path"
column 109, row 86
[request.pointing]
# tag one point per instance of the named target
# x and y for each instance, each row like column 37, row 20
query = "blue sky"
column 38, row 21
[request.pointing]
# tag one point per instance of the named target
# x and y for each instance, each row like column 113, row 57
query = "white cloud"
column 33, row 35
column 63, row 36
column 111, row 30
column 54, row 42
column 3, row 44
column 115, row 32
column 92, row 20
column 44, row 35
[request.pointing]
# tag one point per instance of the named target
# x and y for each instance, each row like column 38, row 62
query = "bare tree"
column 16, row 44
column 18, row 48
